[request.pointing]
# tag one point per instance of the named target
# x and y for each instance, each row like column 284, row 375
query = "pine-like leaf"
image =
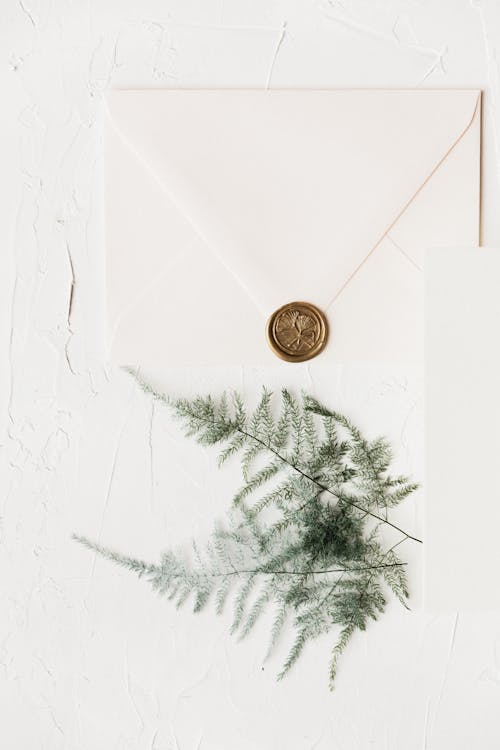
column 303, row 531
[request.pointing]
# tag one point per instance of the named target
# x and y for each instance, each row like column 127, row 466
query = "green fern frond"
column 303, row 531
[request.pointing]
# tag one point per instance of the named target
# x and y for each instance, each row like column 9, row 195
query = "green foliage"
column 303, row 532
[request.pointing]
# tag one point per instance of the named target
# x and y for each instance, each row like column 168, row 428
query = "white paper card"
column 462, row 483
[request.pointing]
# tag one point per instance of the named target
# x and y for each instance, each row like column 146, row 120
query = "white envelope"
column 221, row 206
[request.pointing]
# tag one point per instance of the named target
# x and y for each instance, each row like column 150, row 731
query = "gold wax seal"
column 297, row 331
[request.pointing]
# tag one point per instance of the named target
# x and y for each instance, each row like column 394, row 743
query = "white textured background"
column 89, row 658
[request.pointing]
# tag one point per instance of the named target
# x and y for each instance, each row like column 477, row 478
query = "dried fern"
column 303, row 531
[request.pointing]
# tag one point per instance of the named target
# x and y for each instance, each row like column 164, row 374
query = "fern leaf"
column 344, row 638
column 303, row 533
column 241, row 600
column 300, row 641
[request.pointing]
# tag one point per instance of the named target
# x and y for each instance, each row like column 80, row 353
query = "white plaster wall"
column 90, row 659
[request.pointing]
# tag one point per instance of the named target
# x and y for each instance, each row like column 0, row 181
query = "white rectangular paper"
column 462, row 483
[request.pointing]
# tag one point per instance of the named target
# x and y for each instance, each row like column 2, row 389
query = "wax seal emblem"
column 297, row 331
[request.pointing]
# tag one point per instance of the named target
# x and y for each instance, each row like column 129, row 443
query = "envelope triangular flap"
column 291, row 189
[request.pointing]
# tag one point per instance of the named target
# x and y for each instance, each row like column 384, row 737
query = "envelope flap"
column 291, row 189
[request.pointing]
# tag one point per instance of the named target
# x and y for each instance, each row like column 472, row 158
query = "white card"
column 462, row 482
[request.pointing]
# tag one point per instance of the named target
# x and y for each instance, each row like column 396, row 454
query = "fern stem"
column 263, row 571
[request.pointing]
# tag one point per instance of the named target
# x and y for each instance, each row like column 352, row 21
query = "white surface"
column 254, row 198
column 89, row 657
column 462, row 440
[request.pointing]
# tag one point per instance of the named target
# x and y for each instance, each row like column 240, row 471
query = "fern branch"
column 285, row 543
column 324, row 488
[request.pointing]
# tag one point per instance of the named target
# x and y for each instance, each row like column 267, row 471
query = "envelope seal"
column 297, row 331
